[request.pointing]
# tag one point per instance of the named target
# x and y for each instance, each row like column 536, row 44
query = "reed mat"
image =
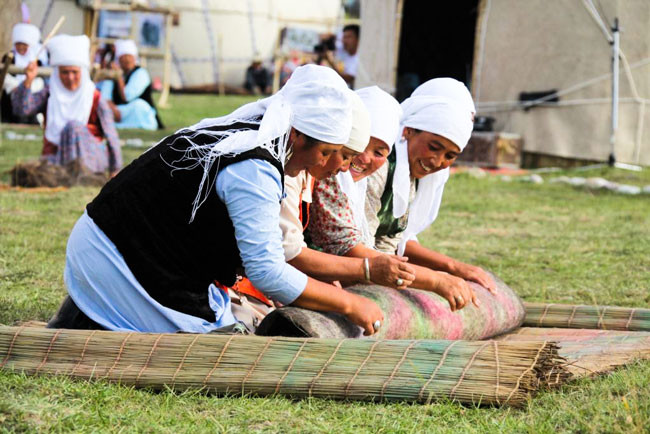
column 483, row 372
column 586, row 317
column 589, row 352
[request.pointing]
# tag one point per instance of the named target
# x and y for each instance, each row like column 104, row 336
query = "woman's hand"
column 455, row 290
column 30, row 73
column 474, row 274
column 389, row 270
column 364, row 313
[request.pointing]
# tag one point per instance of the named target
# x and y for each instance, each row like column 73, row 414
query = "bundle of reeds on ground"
column 487, row 372
column 589, row 352
column 586, row 317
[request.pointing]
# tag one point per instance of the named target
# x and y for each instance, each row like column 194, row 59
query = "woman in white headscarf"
column 78, row 124
column 130, row 94
column 25, row 40
column 294, row 217
column 375, row 227
column 338, row 222
column 191, row 215
column 403, row 198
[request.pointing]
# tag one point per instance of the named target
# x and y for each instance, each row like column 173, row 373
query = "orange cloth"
column 244, row 286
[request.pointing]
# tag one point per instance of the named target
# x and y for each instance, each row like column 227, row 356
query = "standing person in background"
column 130, row 95
column 345, row 54
column 76, row 119
column 25, row 39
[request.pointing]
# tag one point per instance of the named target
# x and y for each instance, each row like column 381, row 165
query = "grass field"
column 550, row 242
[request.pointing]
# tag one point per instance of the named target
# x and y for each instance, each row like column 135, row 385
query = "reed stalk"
column 589, row 352
column 586, row 317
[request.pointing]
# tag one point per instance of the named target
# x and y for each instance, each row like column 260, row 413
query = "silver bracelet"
column 366, row 269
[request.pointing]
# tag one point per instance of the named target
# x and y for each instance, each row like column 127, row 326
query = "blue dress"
column 101, row 284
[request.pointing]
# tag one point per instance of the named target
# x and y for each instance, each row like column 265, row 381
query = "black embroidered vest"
column 145, row 211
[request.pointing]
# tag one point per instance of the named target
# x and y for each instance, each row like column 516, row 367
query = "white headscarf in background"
column 441, row 106
column 315, row 101
column 125, row 46
column 385, row 113
column 64, row 105
column 360, row 132
column 27, row 34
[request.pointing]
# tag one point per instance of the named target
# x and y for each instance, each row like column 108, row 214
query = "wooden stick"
column 9, row 57
column 55, row 29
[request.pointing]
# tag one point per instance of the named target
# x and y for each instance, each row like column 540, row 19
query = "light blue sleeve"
column 106, row 89
column 252, row 190
column 138, row 82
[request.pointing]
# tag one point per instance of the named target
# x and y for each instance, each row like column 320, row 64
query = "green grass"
column 550, row 242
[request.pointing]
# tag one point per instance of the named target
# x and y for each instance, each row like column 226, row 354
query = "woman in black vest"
column 203, row 206
column 130, row 94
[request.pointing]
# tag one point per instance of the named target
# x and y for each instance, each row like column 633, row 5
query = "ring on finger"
column 399, row 282
column 377, row 325
column 459, row 298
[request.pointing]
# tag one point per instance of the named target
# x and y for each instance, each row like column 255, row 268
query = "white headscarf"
column 385, row 113
column 27, row 34
column 64, row 105
column 449, row 88
column 315, row 101
column 125, row 46
column 360, row 132
column 439, row 106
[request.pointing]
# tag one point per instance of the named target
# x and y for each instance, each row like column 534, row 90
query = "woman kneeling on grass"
column 77, row 120
column 383, row 212
column 381, row 269
column 201, row 206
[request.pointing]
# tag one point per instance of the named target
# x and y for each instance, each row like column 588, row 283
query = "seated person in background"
column 258, row 80
column 289, row 66
column 130, row 95
column 25, row 40
column 346, row 54
column 76, row 119
column 105, row 56
column 381, row 269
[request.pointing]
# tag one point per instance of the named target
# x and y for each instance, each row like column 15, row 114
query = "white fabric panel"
column 377, row 45
column 542, row 46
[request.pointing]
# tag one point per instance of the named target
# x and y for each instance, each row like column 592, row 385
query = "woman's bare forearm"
column 361, row 251
column 324, row 266
column 329, row 298
column 420, row 255
column 323, row 297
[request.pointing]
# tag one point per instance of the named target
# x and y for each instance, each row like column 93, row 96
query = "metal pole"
column 615, row 55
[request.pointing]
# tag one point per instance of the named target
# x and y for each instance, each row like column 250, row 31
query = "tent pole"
column 616, row 44
column 614, row 117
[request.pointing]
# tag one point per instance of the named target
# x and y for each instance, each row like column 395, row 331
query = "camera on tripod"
column 328, row 44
